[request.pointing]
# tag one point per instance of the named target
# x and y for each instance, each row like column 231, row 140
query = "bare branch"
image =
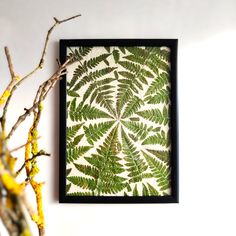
column 39, row 66
column 40, row 153
column 47, row 86
column 9, row 61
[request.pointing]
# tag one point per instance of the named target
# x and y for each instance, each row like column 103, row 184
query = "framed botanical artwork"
column 118, row 121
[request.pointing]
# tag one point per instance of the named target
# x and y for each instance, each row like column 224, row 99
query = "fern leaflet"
column 160, row 171
column 96, row 131
column 135, row 165
column 155, row 115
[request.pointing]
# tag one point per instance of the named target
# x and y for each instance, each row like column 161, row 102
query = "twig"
column 39, row 66
column 10, row 65
column 23, row 145
column 40, row 153
column 47, row 86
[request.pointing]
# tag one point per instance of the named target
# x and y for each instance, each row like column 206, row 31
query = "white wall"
column 206, row 30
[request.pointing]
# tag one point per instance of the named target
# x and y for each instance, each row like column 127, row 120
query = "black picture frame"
column 174, row 197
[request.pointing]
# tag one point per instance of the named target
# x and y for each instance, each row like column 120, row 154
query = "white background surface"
column 206, row 73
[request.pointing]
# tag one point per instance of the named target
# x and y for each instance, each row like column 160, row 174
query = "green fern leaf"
column 133, row 58
column 74, row 153
column 123, row 95
column 78, row 72
column 88, row 170
column 71, row 131
column 96, row 131
column 135, row 165
column 79, row 53
column 132, row 106
column 116, row 55
column 84, row 183
column 86, row 112
column 103, row 97
column 93, row 76
column 95, row 85
column 107, row 164
column 160, row 138
column 74, row 142
column 162, row 96
column 161, row 155
column 140, row 129
column 72, row 94
column 155, row 115
column 134, row 119
column 82, row 82
column 160, row 171
column 95, row 61
column 158, row 83
column 156, row 61
column 130, row 78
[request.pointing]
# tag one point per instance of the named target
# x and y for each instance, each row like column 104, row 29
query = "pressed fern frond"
column 95, row 61
column 138, row 71
column 160, row 171
column 88, row 170
column 92, row 76
column 155, row 60
column 81, row 52
column 156, row 115
column 71, row 131
column 107, row 166
column 85, row 112
column 123, row 95
column 95, row 85
column 136, row 167
column 140, row 129
column 84, row 183
column 162, row 96
column 78, row 72
column 160, row 138
column 96, row 131
column 162, row 155
column 158, row 83
column 74, row 142
column 132, row 106
column 73, row 154
column 103, row 96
